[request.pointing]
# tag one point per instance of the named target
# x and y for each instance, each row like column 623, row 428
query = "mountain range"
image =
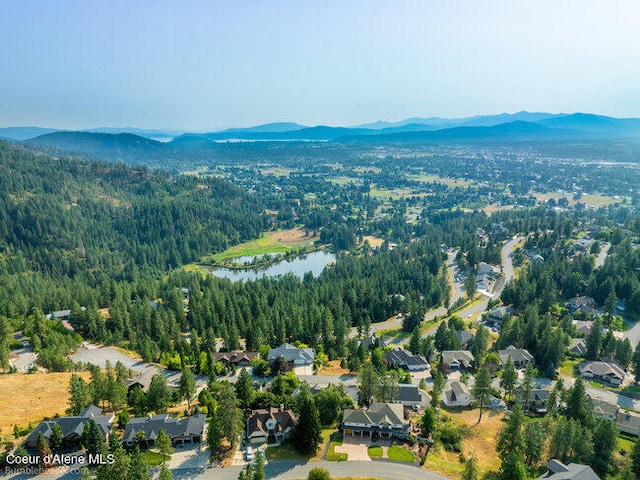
column 135, row 145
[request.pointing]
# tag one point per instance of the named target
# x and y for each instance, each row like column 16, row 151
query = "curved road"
column 296, row 470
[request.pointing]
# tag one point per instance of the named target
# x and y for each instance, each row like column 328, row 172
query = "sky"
column 211, row 64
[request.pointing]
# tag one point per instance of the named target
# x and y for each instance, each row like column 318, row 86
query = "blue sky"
column 202, row 65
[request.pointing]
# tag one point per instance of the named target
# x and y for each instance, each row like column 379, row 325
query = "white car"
column 249, row 454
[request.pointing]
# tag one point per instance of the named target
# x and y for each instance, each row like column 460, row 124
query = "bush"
column 319, row 474
column 451, row 437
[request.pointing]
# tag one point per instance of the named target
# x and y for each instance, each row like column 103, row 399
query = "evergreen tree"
column 428, row 422
column 319, row 473
column 244, row 389
column 482, row 389
column 509, row 379
column 416, row 341
column 438, row 386
column 42, row 447
column 158, row 396
column 229, row 414
column 368, row 380
column 594, row 341
column 92, row 438
column 163, row 442
column 471, row 471
column 214, row 435
column 258, row 471
column 56, row 436
column 510, row 446
column 307, row 435
column 604, row 438
column 138, row 467
column 79, row 394
column 636, row 363
column 165, row 473
column 187, row 386
column 387, row 388
column 526, row 386
column 535, row 443
column 635, row 457
column 579, row 405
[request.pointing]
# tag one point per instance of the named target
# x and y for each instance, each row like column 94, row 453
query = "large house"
column 605, row 372
column 182, row 431
column 628, row 422
column 498, row 314
column 274, row 424
column 300, row 360
column 573, row 471
column 457, row 359
column 604, row 409
column 72, row 427
column 238, row 358
column 142, row 380
column 578, row 347
column 457, row 395
column 464, row 338
column 577, row 303
column 400, row 358
column 519, row 356
column 537, row 401
column 381, row 419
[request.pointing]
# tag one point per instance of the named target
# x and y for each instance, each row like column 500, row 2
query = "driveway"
column 356, row 448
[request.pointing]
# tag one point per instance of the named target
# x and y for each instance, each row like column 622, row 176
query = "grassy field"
column 29, row 398
column 286, row 451
column 450, row 182
column 294, row 237
column 568, row 367
column 478, row 439
column 587, row 199
column 394, row 452
column 259, row 246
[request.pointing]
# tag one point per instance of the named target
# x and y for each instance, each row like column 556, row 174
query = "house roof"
column 256, row 422
column 400, row 356
column 573, row 471
column 291, row 353
column 578, row 345
column 409, row 393
column 235, row 356
column 604, row 409
column 73, row 426
column 539, row 395
column 143, row 379
column 583, row 327
column 601, row 369
column 577, row 302
column 500, row 312
column 175, row 427
column 456, row 391
column 464, row 337
column 463, row 357
column 628, row 420
column 378, row 413
column 517, row 355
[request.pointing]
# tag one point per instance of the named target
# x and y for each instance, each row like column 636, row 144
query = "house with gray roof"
column 72, row 427
column 519, row 357
column 604, row 409
column 410, row 395
column 457, row 394
column 298, row 359
column 573, row 471
column 577, row 303
column 384, row 420
column 238, row 358
column 604, row 372
column 498, row 314
column 182, row 431
column 578, row 347
column 457, row 359
column 628, row 422
column 464, row 338
column 400, row 358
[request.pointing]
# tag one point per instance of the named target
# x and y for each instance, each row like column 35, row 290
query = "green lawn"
column 259, row 246
column 624, row 443
column 375, row 451
column 155, row 458
column 568, row 367
column 395, row 452
column 332, row 456
column 286, row 451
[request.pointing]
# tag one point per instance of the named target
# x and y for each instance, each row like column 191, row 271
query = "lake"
column 314, row 262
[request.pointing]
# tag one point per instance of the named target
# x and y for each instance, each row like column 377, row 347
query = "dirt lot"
column 375, row 242
column 333, row 368
column 479, row 440
column 293, row 237
column 31, row 397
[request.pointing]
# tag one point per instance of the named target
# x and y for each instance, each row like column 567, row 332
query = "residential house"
column 370, row 341
column 410, row 395
column 578, row 347
column 573, row 471
column 400, row 358
column 464, row 338
column 383, row 420
column 300, row 360
column 182, row 431
column 605, row 372
column 457, row 359
column 628, row 422
column 604, row 409
column 275, row 424
column 72, row 427
column 457, row 394
column 498, row 314
column 519, row 357
column 577, row 303
column 238, row 358
column 142, row 380
column 537, row 402
column 583, row 327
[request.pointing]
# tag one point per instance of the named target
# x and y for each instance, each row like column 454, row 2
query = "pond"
column 314, row 262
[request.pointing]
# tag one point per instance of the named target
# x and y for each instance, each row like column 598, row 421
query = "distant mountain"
column 267, row 127
column 141, row 132
column 511, row 131
column 120, row 147
column 319, row 133
column 23, row 133
column 588, row 122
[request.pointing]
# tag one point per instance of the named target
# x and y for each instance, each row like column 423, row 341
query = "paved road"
column 297, row 470
column 602, row 256
column 22, row 358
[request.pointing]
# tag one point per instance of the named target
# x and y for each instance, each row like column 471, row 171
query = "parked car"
column 249, row 454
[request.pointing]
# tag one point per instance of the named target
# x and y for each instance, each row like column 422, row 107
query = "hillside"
column 69, row 217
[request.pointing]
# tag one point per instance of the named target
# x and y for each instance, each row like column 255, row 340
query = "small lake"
column 314, row 262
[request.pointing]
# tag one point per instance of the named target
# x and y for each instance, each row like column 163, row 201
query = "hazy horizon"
column 203, row 66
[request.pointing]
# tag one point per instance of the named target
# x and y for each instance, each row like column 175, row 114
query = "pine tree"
column 79, row 394
column 258, row 472
column 604, row 438
column 56, row 436
column 165, row 473
column 163, row 442
column 510, row 446
column 368, row 379
column 509, row 379
column 438, row 387
column 244, row 389
column 187, row 386
column 138, row 467
column 594, row 341
column 42, row 447
column 470, row 469
column 635, row 457
column 307, row 435
column 482, row 389
column 92, row 438
column 428, row 422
